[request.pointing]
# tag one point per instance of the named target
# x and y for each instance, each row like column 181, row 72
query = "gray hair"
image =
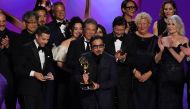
column 28, row 15
column 179, row 24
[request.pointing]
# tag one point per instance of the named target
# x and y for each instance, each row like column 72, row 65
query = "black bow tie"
column 61, row 23
column 41, row 48
column 120, row 38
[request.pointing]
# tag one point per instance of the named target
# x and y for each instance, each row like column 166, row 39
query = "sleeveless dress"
column 171, row 81
column 162, row 27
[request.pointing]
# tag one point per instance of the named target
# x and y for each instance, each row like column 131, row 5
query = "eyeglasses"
column 131, row 7
column 31, row 22
column 98, row 46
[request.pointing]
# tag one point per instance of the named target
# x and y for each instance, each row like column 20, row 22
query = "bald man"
column 7, row 48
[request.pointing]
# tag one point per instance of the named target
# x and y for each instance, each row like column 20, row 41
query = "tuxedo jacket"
column 123, row 71
column 75, row 50
column 56, row 35
column 29, row 60
column 105, row 71
column 109, row 43
column 8, row 55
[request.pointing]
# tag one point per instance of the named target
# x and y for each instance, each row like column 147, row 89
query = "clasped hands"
column 142, row 77
column 41, row 77
column 85, row 78
column 4, row 42
column 120, row 56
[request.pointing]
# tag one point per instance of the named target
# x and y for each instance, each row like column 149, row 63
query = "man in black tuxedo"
column 34, row 71
column 75, row 50
column 116, row 44
column 7, row 47
column 59, row 24
column 101, row 73
column 58, row 28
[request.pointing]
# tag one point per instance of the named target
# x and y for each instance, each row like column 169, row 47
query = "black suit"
column 32, row 91
column 75, row 50
column 8, row 63
column 61, row 79
column 26, row 37
column 56, row 35
column 102, row 70
column 123, row 91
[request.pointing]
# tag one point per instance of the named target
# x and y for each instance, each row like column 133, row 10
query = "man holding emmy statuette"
column 96, row 74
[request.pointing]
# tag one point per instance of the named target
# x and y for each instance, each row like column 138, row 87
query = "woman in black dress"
column 168, row 9
column 171, row 71
column 129, row 8
column 141, row 55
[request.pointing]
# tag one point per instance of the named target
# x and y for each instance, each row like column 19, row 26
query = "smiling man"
column 34, row 71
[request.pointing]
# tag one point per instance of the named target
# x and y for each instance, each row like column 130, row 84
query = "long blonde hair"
column 179, row 24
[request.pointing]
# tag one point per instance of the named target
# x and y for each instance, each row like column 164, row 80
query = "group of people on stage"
column 75, row 64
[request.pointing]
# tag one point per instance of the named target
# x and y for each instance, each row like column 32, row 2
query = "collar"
column 36, row 43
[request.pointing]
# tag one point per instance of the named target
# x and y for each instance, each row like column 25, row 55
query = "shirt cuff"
column 32, row 73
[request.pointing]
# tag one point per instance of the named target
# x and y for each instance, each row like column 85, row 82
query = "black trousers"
column 10, row 96
column 31, row 102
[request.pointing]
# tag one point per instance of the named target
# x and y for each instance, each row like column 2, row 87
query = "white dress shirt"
column 117, row 44
column 42, row 58
column 62, row 27
column 85, row 43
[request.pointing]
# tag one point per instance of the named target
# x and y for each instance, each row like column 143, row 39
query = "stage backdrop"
column 104, row 11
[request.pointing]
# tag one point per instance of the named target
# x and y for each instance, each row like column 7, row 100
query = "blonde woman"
column 140, row 55
column 171, row 71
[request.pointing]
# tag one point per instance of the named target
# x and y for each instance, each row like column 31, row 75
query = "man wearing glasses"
column 102, row 73
column 30, row 23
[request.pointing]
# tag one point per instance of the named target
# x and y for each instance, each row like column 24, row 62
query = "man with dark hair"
column 59, row 24
column 75, row 50
column 58, row 28
column 101, row 73
column 34, row 71
column 42, row 15
column 82, row 44
column 116, row 45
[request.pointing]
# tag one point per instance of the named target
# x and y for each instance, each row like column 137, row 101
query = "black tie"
column 41, row 48
column 87, row 46
column 120, row 38
column 61, row 23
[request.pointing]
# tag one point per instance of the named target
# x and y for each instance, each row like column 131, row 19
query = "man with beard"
column 116, row 44
column 41, row 14
column 101, row 73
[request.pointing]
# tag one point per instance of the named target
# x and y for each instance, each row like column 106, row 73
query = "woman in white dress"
column 60, row 52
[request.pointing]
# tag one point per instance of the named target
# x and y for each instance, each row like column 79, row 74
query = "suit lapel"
column 82, row 47
column 35, row 51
